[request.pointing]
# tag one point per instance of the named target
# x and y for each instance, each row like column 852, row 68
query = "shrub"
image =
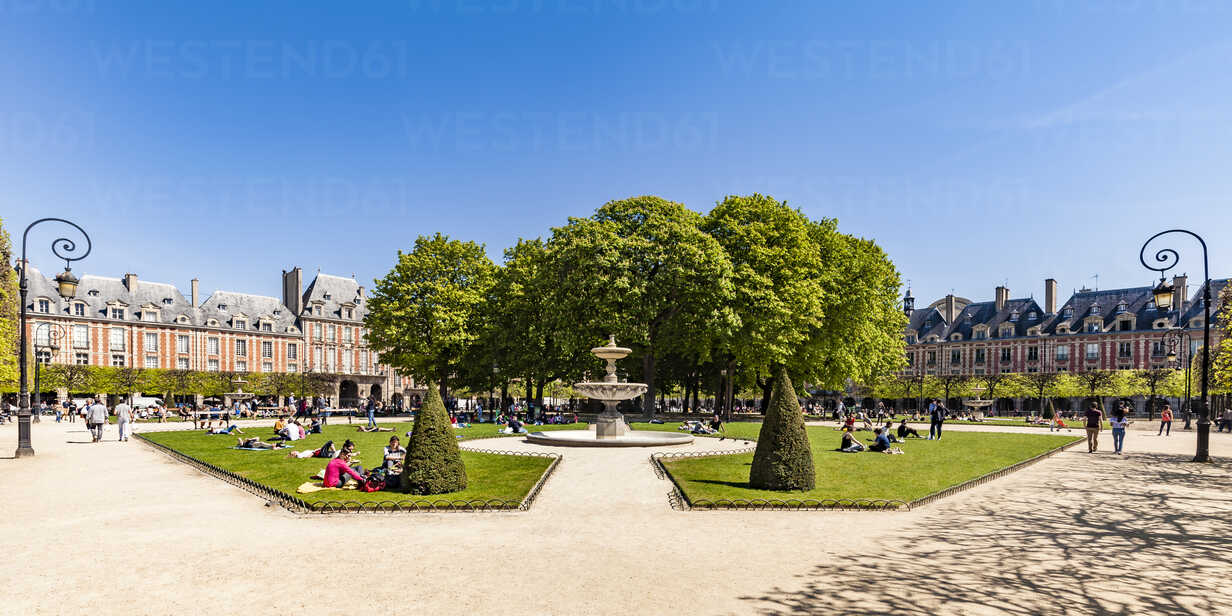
column 433, row 461
column 783, row 460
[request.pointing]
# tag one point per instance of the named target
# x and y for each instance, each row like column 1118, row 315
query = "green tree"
column 8, row 314
column 783, row 459
column 643, row 270
column 1221, row 349
column 778, row 280
column 1005, row 382
column 423, row 314
column 952, row 385
column 1150, row 382
column 1041, row 384
column 1095, row 384
column 433, row 462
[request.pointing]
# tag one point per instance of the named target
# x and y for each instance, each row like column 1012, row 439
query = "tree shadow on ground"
column 1140, row 534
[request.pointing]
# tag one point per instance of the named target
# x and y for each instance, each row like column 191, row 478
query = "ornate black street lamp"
column 67, row 283
column 55, row 333
column 1178, row 338
column 1167, row 258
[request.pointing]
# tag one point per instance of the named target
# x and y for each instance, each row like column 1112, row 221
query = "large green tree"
column 641, row 269
column 423, row 315
column 8, row 313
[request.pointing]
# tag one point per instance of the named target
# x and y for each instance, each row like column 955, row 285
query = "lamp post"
column 1173, row 339
column 55, row 332
column 1167, row 258
column 67, row 284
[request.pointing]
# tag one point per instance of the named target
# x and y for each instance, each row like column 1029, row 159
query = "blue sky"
column 980, row 143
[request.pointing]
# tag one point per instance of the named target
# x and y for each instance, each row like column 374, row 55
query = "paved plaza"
column 120, row 528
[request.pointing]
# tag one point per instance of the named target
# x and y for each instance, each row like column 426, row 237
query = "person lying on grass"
column 850, row 444
column 372, row 429
column 324, row 451
column 694, row 426
column 904, row 430
column 231, row 429
column 256, row 443
column 339, row 470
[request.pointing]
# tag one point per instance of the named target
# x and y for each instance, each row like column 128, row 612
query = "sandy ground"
column 119, row 528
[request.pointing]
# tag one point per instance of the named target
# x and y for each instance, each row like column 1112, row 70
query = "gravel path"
column 119, row 528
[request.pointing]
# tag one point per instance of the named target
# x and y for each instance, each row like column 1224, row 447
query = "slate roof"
column 1194, row 308
column 98, row 291
column 927, row 322
column 335, row 293
column 225, row 306
column 986, row 313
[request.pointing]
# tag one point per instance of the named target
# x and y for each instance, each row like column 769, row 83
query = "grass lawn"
column 927, row 467
column 489, row 476
column 737, row 429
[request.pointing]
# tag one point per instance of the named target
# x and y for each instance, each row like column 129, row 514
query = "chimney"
column 1180, row 292
column 293, row 290
column 1003, row 295
column 1050, row 296
column 951, row 310
column 195, row 283
column 130, row 282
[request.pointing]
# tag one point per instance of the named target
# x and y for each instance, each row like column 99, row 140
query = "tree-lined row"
column 729, row 296
column 125, row 381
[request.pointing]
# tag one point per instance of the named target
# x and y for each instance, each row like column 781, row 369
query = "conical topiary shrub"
column 433, row 461
column 783, row 460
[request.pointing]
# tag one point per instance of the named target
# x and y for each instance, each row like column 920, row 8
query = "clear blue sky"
column 979, row 143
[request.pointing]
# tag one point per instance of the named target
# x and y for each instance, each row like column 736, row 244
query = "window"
column 44, row 306
column 292, row 368
column 292, row 351
column 117, row 339
column 346, row 335
column 151, row 342
column 1093, row 328
column 932, row 357
column 1014, row 315
column 241, row 348
column 316, row 331
column 316, row 357
column 910, row 359
column 331, row 333
column 955, row 356
column 149, row 316
column 316, row 310
column 980, row 334
column 1092, row 350
column 911, row 339
column 42, row 357
column 1094, row 311
column 1031, row 316
column 1062, row 369
column 1068, row 313
column 241, row 366
column 42, row 335
column 79, row 309
column 363, row 362
column 211, row 346
column 239, row 323
column 267, row 367
column 1125, row 350
column 151, row 361
column 979, row 356
column 211, row 365
column 181, row 363
column 1032, row 353
column 82, row 359
column 117, row 313
column 81, row 336
column 1032, row 369
column 1006, row 332
column 117, row 360
column 1157, row 349
column 1125, row 325
column 267, row 326
column 1005, row 354
column 1150, row 304
column 181, row 344
column 346, row 362
column 267, row 349
column 1063, row 353
column 350, row 313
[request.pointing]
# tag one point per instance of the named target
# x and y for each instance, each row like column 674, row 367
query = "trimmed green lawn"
column 737, row 429
column 925, row 468
column 489, row 476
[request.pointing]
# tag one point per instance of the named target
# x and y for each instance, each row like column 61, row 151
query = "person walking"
column 96, row 418
column 1165, row 421
column 370, row 407
column 70, row 411
column 936, row 417
column 124, row 420
column 1095, row 423
column 1119, row 422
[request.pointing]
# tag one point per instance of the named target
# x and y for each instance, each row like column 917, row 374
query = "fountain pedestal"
column 610, row 423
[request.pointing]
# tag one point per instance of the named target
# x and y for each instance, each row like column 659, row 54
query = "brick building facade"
column 131, row 322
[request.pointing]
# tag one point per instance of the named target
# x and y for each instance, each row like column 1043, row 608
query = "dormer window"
column 328, row 296
column 44, row 305
column 1014, row 316
column 239, row 324
column 956, row 337
column 117, row 313
column 1006, row 332
column 1068, row 313
column 316, row 310
column 92, row 292
column 1031, row 316
column 79, row 309
column 212, row 322
column 149, row 316
column 911, row 338
column 1094, row 310
column 350, row 314
column 222, row 307
column 1121, row 307
column 266, row 326
column 181, row 319
column 168, row 301
column 980, row 334
column 1150, row 304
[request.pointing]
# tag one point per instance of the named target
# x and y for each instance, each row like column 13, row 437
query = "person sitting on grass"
column 514, row 426
column 339, row 470
column 279, row 425
column 716, row 424
column 850, row 444
column 849, row 423
column 394, row 454
column 905, row 430
column 255, row 443
column 888, row 430
column 324, row 451
column 881, row 441
column 865, row 424
column 292, row 432
column 231, row 429
column 366, row 428
column 315, row 426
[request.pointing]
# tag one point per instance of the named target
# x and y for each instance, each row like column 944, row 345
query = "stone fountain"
column 610, row 429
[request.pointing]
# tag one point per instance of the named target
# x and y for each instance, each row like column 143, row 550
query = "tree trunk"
column 504, row 395
column 539, row 393
column 766, row 387
column 648, row 373
column 730, row 386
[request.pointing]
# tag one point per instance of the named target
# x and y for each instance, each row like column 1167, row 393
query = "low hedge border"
column 295, row 504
